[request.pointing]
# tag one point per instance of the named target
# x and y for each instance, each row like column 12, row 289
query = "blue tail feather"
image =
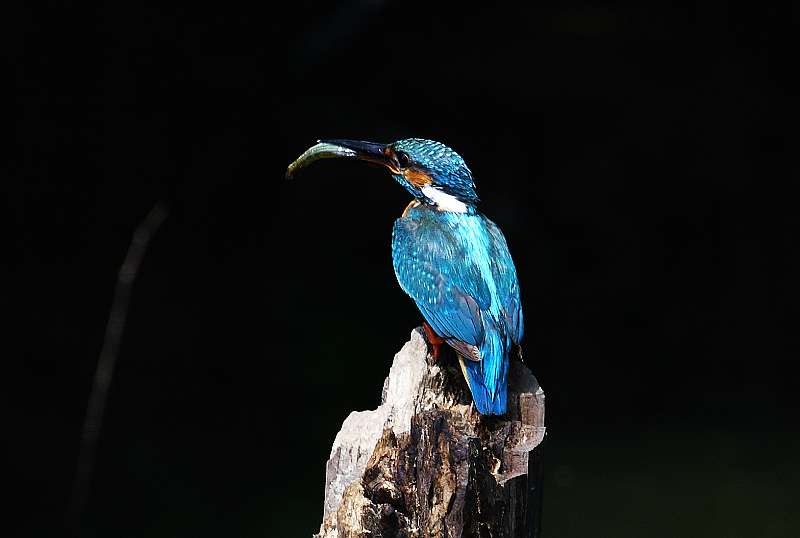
column 487, row 378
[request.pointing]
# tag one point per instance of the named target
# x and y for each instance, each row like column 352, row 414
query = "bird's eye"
column 402, row 159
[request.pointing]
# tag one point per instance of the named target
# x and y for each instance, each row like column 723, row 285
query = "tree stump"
column 427, row 464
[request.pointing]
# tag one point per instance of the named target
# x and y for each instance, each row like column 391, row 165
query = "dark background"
column 641, row 158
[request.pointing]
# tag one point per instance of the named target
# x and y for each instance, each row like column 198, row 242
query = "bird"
column 448, row 257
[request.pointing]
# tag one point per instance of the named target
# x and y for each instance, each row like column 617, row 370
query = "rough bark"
column 427, row 464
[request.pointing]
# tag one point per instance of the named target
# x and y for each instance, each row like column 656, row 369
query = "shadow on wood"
column 426, row 463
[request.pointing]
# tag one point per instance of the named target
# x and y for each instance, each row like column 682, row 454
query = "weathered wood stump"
column 427, row 464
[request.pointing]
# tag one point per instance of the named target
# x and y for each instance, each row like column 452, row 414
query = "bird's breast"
column 409, row 207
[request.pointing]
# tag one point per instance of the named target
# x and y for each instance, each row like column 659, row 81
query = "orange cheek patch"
column 417, row 178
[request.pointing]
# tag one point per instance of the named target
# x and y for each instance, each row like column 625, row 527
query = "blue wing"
column 457, row 269
column 505, row 274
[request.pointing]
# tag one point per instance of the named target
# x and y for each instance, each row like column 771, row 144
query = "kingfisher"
column 448, row 257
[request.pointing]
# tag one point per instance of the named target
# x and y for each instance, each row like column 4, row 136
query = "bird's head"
column 432, row 172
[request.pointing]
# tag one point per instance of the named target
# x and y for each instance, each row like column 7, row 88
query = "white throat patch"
column 446, row 202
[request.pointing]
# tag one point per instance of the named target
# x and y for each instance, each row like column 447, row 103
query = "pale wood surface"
column 426, row 463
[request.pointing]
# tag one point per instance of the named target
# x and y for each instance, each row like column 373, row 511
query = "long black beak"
column 326, row 149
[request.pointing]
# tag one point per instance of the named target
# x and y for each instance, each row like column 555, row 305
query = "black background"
column 642, row 160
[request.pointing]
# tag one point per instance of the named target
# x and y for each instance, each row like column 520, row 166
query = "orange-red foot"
column 433, row 339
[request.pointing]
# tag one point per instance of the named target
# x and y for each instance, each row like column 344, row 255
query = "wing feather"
column 443, row 278
column 505, row 275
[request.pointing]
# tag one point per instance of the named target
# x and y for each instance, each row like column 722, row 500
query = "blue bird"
column 448, row 257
